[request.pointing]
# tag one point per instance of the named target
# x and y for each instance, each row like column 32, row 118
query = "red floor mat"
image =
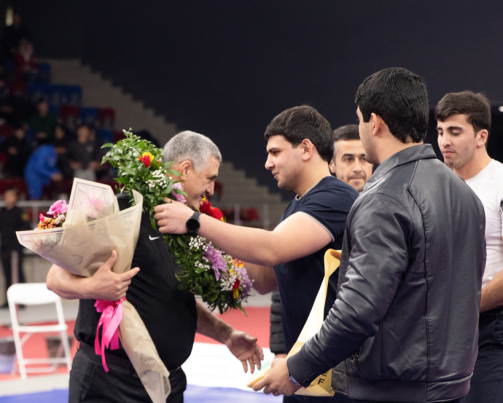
column 256, row 323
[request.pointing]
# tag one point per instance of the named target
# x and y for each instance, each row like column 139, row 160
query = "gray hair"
column 195, row 147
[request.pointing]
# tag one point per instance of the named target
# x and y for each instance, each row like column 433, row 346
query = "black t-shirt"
column 10, row 222
column 299, row 281
column 169, row 314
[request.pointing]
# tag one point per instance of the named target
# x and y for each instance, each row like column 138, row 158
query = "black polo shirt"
column 299, row 281
column 168, row 313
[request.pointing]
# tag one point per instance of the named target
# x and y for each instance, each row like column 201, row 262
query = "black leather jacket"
column 404, row 325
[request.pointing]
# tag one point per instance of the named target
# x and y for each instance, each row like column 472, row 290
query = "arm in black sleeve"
column 277, row 337
column 378, row 232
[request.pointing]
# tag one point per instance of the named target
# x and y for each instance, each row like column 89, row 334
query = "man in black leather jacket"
column 404, row 325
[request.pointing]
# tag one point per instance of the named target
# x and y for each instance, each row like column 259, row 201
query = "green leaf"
column 107, row 145
column 182, row 242
column 153, row 223
column 242, row 309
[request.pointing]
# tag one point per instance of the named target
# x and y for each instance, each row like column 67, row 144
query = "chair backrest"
column 31, row 294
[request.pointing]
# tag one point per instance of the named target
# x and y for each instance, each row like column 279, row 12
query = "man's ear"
column 184, row 168
column 482, row 137
column 308, row 149
column 378, row 124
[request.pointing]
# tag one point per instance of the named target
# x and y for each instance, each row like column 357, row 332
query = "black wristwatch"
column 193, row 223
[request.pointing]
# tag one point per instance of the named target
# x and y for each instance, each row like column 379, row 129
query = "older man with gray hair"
column 171, row 316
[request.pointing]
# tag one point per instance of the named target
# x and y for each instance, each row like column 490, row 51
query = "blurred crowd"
column 36, row 147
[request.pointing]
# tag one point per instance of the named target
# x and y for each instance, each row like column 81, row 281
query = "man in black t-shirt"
column 171, row 316
column 11, row 220
column 300, row 147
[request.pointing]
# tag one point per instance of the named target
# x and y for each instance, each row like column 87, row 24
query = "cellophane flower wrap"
column 220, row 280
column 79, row 237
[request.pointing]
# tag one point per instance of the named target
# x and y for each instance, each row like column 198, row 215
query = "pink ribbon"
column 111, row 316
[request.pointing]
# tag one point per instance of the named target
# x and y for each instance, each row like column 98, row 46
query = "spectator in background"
column 6, row 111
column 18, row 151
column 463, row 126
column 349, row 163
column 12, row 36
column 11, row 220
column 26, row 66
column 83, row 155
column 41, row 169
column 61, row 146
column 43, row 123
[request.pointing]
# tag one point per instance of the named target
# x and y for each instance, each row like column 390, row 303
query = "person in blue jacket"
column 40, row 169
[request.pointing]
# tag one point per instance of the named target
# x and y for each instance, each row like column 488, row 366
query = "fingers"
column 245, row 365
column 257, row 360
column 252, row 365
column 110, row 262
column 127, row 276
column 249, row 339
column 260, row 384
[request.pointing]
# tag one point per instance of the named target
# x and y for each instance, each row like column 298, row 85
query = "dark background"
column 226, row 68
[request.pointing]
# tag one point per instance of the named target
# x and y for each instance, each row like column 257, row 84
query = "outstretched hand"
column 277, row 381
column 172, row 217
column 245, row 349
column 107, row 285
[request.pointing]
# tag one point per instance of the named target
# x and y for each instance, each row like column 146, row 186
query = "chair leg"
column 66, row 347
column 17, row 340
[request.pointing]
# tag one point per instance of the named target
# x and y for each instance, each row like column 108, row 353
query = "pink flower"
column 59, row 207
column 180, row 198
column 42, row 218
column 217, row 261
column 96, row 207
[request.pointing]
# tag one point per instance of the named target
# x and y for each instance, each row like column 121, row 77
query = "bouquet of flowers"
column 220, row 280
column 79, row 237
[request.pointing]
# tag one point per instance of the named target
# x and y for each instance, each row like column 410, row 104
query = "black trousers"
column 7, row 270
column 486, row 385
column 89, row 383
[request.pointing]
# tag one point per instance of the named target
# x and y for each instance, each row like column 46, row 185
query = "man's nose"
column 211, row 189
column 268, row 163
column 444, row 140
column 357, row 167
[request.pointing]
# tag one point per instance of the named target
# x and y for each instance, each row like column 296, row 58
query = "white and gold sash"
column 322, row 385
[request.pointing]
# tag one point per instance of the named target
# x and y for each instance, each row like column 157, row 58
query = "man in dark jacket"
column 403, row 327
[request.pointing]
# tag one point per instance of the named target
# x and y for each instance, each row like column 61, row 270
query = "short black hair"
column 400, row 98
column 303, row 122
column 348, row 132
column 476, row 107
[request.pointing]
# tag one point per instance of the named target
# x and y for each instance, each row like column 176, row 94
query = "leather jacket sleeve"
column 378, row 231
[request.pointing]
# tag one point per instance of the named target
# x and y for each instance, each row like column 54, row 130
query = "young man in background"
column 463, row 125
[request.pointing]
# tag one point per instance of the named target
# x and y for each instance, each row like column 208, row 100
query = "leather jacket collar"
column 419, row 152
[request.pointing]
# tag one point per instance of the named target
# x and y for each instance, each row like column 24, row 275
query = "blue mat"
column 193, row 394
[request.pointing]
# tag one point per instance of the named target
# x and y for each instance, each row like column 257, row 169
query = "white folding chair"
column 36, row 294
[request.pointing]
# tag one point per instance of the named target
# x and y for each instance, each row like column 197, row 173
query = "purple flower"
column 245, row 281
column 180, row 198
column 59, row 207
column 217, row 261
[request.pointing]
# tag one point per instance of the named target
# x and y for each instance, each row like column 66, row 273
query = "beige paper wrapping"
column 81, row 247
column 143, row 355
column 322, row 385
